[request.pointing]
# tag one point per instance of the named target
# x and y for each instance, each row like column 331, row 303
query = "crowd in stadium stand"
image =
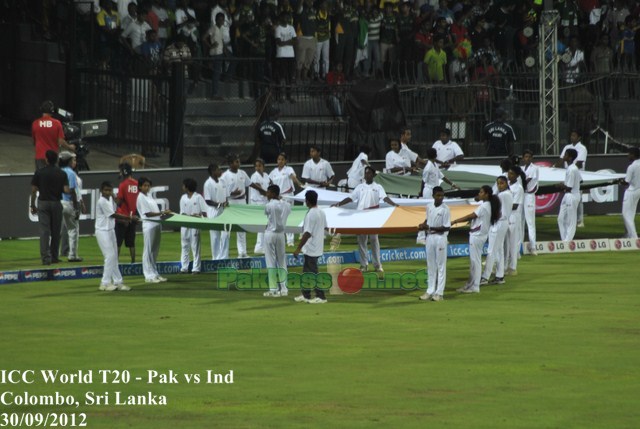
column 425, row 41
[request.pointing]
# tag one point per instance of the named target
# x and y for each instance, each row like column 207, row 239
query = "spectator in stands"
column 256, row 37
column 448, row 152
column 130, row 16
column 213, row 42
column 602, row 56
column 222, row 7
column 48, row 183
column 47, row 134
column 285, row 65
column 406, row 21
column 136, row 33
column 244, row 19
column 627, row 44
column 478, row 33
column 323, row 34
column 317, row 172
column 306, row 42
column 124, row 8
column 151, row 50
column 435, row 61
column 388, row 37
column 396, row 163
column 373, row 17
column 576, row 65
column 178, row 51
column 335, row 79
column 423, row 41
column 159, row 18
column 498, row 136
column 346, row 35
column 187, row 25
column 109, row 35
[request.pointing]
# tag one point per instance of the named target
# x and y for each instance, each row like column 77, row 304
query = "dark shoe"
column 76, row 259
column 55, row 261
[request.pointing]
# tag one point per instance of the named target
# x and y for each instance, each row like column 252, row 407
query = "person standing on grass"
column 368, row 196
column 191, row 204
column 70, row 207
column 258, row 196
column 498, row 234
column 575, row 142
column 312, row 246
column 514, row 235
column 236, row 182
column 151, row 231
column 49, row 183
column 126, row 201
column 216, row 198
column 485, row 215
column 632, row 193
column 277, row 212
column 436, row 226
column 532, row 174
column 567, row 218
column 285, row 178
column 106, row 216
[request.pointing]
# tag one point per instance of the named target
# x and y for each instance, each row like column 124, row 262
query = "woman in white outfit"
column 497, row 235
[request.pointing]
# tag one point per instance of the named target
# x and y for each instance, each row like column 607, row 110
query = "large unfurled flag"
column 384, row 220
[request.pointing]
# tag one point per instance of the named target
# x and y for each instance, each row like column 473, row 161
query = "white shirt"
column 162, row 14
column 480, row 225
column 431, row 174
column 192, row 206
column 123, row 7
column 226, row 26
column 439, row 216
column 582, row 154
column 356, row 172
column 518, row 197
column 368, row 196
column 234, row 182
column 393, row 160
column 216, row 192
column 572, row 179
column 315, row 222
column 284, row 34
column 633, row 175
column 104, row 212
column 320, row 171
column 447, row 151
column 256, row 197
column 407, row 153
column 216, row 34
column 277, row 212
column 532, row 172
column 137, row 33
column 282, row 178
column 144, row 205
column 506, row 204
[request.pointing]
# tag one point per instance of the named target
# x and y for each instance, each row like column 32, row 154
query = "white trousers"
column 567, row 217
column 530, row 218
column 427, row 192
column 276, row 260
column 241, row 237
column 436, row 248
column 259, row 247
column 322, row 58
column 151, row 237
column 217, row 252
column 375, row 250
column 71, row 225
column 629, row 207
column 190, row 241
column 476, row 243
column 109, row 248
column 495, row 252
column 580, row 210
column 514, row 240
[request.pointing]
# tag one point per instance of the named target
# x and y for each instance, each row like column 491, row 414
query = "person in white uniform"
column 355, row 174
column 448, row 151
column 514, row 235
column 406, row 152
column 497, row 235
column 487, row 214
column 394, row 162
column 258, row 196
column 286, row 179
column 431, row 177
column 632, row 193
column 569, row 206
column 580, row 162
column 191, row 204
column 436, row 226
column 106, row 236
column 236, row 182
column 368, row 196
column 317, row 172
column 277, row 212
column 532, row 176
column 216, row 198
column 151, row 231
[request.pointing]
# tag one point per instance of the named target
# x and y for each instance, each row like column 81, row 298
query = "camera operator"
column 48, row 134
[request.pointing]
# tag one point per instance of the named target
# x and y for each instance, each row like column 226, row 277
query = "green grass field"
column 556, row 347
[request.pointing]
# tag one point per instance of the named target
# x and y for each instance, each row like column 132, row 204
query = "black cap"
column 126, row 169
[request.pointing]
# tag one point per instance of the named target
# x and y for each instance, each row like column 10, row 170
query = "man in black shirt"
column 50, row 182
column 498, row 136
column 271, row 138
